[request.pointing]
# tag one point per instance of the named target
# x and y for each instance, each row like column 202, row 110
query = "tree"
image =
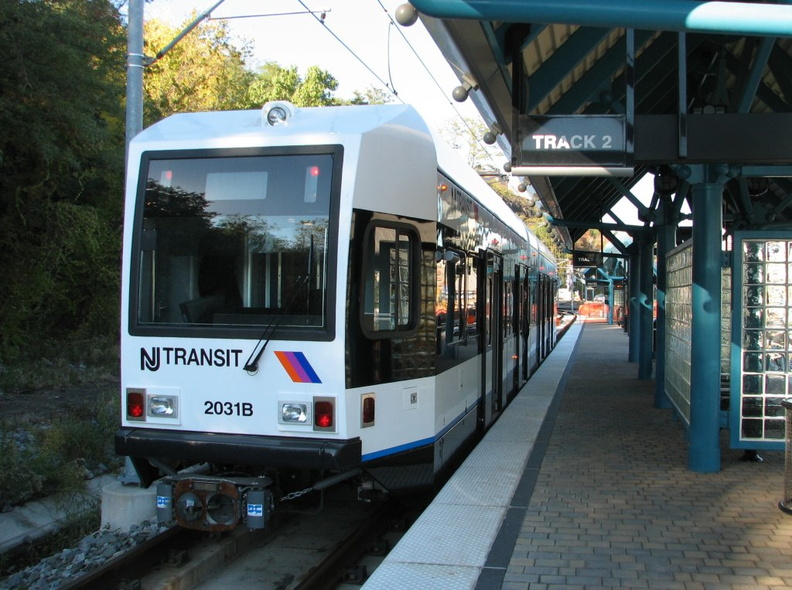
column 316, row 89
column 531, row 216
column 465, row 136
column 205, row 71
column 590, row 241
column 371, row 95
column 274, row 82
column 61, row 167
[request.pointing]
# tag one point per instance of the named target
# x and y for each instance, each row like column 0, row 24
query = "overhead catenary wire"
column 390, row 86
column 390, row 75
column 319, row 16
column 442, row 90
column 355, row 55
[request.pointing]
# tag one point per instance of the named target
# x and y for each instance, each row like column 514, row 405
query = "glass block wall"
column 679, row 307
column 762, row 364
column 726, row 313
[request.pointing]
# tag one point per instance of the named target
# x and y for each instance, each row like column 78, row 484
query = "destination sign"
column 581, row 259
column 587, row 141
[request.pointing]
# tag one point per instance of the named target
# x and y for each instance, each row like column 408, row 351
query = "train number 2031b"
column 228, row 408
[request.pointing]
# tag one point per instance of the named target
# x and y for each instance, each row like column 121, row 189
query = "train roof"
column 303, row 125
column 452, row 165
column 243, row 128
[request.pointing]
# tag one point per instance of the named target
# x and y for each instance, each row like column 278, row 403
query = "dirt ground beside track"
column 38, row 406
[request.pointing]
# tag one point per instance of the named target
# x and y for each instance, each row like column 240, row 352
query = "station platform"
column 583, row 483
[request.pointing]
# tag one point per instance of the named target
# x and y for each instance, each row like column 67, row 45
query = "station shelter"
column 586, row 99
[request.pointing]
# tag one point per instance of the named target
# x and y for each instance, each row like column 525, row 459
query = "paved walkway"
column 614, row 505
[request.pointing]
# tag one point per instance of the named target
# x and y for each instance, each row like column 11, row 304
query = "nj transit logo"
column 153, row 359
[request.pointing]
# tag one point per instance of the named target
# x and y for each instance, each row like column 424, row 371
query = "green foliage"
column 51, row 365
column 274, row 82
column 62, row 275
column 590, row 241
column 53, row 141
column 205, row 71
column 20, row 480
column 371, row 95
column 465, row 135
column 316, row 89
column 45, row 459
column 532, row 216
column 61, row 167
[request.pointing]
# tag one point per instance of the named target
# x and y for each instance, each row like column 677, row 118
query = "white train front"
column 314, row 295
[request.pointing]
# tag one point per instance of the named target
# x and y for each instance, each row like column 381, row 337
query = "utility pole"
column 135, row 65
column 136, row 62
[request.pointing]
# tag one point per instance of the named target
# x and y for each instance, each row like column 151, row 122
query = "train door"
column 514, row 320
column 495, row 287
column 483, row 328
column 489, row 322
column 545, row 316
column 538, row 304
column 523, row 327
column 551, row 316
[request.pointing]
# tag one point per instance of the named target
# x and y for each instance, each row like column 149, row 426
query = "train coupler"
column 215, row 503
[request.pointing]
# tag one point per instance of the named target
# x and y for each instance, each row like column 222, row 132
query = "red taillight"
column 136, row 404
column 323, row 414
column 369, row 405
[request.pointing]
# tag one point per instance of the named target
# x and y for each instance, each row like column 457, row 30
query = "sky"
column 369, row 51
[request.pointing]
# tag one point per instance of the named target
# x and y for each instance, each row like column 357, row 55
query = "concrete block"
column 124, row 506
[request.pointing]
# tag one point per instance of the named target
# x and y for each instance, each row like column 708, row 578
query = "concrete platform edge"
column 424, row 559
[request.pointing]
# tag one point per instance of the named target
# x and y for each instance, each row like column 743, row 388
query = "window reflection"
column 235, row 241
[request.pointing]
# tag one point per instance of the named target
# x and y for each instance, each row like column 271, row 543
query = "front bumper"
column 239, row 449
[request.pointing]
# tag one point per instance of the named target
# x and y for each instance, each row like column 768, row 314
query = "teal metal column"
column 634, row 330
column 610, row 301
column 704, row 452
column 666, row 240
column 646, row 303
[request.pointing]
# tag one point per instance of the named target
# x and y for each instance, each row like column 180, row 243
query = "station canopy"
column 674, row 84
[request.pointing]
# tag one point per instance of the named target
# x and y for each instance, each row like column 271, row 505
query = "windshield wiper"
column 251, row 365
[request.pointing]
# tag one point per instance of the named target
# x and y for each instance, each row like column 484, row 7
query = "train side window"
column 390, row 280
column 455, row 320
column 508, row 308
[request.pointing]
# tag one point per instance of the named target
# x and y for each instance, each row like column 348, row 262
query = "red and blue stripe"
column 297, row 366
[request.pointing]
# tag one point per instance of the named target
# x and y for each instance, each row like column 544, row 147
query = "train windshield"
column 235, row 241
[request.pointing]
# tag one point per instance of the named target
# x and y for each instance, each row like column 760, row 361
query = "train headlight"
column 293, row 413
column 163, row 406
column 278, row 112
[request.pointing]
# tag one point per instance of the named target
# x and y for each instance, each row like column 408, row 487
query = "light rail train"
column 314, row 295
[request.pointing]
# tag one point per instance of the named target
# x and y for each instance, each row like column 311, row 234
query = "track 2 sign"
column 585, row 141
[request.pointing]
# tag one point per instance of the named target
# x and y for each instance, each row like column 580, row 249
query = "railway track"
column 122, row 570
column 351, row 562
column 302, row 551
